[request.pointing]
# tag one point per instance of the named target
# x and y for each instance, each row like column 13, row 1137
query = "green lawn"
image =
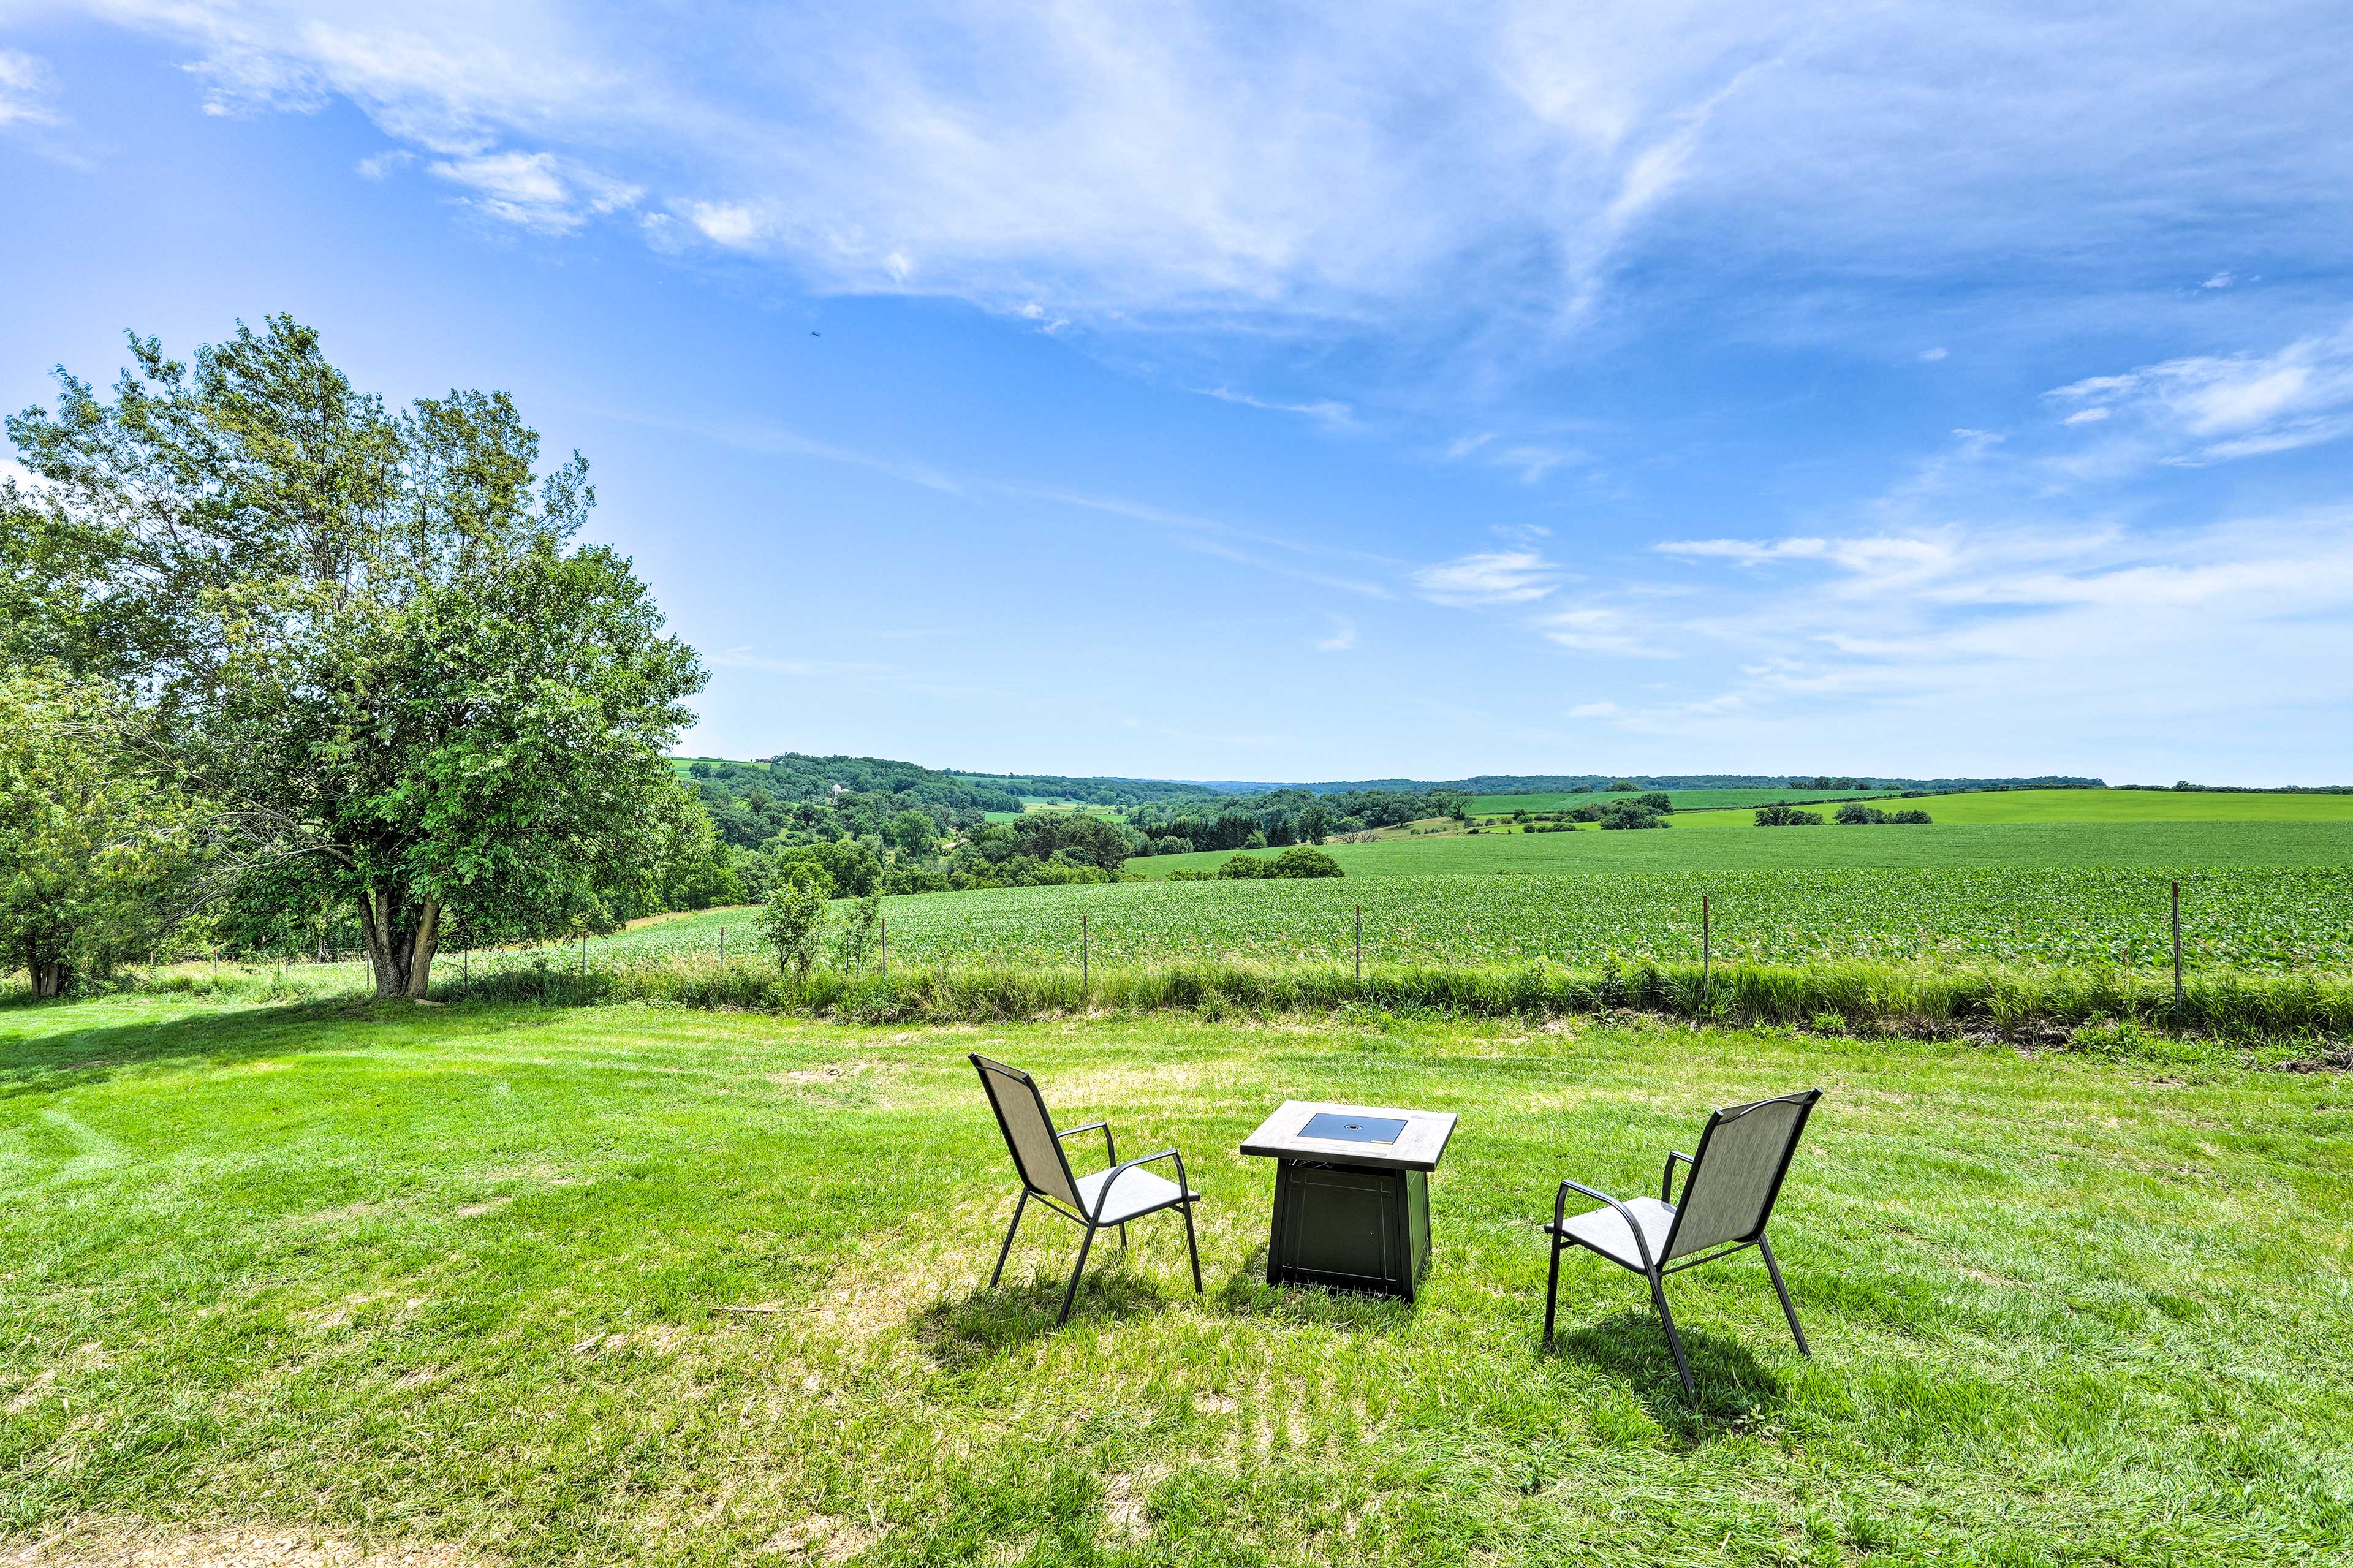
column 459, row 1274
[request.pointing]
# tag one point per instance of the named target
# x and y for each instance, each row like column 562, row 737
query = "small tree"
column 793, row 917
column 91, row 852
column 859, row 934
column 1786, row 817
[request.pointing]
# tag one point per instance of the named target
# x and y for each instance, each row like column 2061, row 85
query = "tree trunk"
column 402, row 936
column 51, row 979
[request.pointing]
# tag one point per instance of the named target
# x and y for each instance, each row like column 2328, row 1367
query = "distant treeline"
column 1568, row 784
column 2187, row 786
column 1086, row 792
column 1281, row 817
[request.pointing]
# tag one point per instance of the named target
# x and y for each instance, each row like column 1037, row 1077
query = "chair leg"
column 1788, row 1310
column 1552, row 1286
column 1122, row 1236
column 1071, row 1294
column 1192, row 1246
column 1674, row 1340
column 1005, row 1251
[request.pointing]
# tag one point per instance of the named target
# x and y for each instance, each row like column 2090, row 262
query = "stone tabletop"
column 1362, row 1136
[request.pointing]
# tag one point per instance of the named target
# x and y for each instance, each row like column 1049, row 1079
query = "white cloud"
column 1343, row 637
column 1325, row 411
column 1931, row 356
column 2210, row 408
column 1489, row 577
column 1595, row 711
column 728, row 224
column 27, row 90
column 534, row 190
column 382, row 165
column 2220, row 280
column 1597, row 628
column 1506, row 159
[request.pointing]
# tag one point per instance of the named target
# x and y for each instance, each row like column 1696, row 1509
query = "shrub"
column 1786, row 817
column 794, row 915
column 1855, row 813
column 859, row 934
column 1303, row 860
column 1620, row 814
column 1192, row 876
column 1910, row 818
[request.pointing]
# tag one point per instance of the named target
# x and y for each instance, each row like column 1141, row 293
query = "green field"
column 1684, row 799
column 1697, row 843
column 462, row 1275
column 2273, row 918
column 2120, row 808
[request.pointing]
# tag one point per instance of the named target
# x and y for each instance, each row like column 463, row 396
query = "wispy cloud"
column 1343, row 637
column 1323, row 411
column 27, row 91
column 534, row 190
column 1506, row 159
column 2211, row 408
column 1489, row 577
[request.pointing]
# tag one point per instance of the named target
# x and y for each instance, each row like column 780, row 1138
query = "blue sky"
column 1277, row 392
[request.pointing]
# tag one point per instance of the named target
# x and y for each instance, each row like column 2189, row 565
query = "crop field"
column 2259, row 920
column 2119, row 809
column 1684, row 799
column 1691, row 845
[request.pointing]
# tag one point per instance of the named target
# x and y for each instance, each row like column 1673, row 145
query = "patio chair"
column 1727, row 1199
column 1112, row 1196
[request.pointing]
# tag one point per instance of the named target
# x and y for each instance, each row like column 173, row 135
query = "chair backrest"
column 1736, row 1173
column 1029, row 1130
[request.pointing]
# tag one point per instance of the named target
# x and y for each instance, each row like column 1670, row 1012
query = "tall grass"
column 1858, row 996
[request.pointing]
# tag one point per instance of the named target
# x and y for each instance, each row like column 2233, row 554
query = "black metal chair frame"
column 1090, row 1222
column 1655, row 1270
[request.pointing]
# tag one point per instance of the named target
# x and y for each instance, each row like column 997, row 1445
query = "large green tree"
column 379, row 653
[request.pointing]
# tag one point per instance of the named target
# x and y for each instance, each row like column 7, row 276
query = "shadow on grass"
column 1246, row 1294
column 74, row 1056
column 983, row 1323
column 1735, row 1387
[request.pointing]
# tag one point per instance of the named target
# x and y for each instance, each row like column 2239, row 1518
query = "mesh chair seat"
column 1605, row 1231
column 1138, row 1191
column 1728, row 1200
column 1046, row 1174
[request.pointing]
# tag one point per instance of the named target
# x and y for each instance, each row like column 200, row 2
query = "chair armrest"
column 1111, row 1150
column 1667, row 1177
column 1102, row 1194
column 1560, row 1216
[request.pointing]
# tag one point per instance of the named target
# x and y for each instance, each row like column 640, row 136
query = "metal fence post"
column 1706, row 940
column 723, row 947
column 2176, row 947
column 1360, row 944
column 885, row 924
column 1083, row 955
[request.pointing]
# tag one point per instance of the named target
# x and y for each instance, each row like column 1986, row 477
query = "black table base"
column 1352, row 1227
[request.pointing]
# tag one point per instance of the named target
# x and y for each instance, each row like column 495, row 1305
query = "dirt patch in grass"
column 117, row 1543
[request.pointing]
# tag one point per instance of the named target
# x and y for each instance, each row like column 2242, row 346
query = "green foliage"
column 1300, row 860
column 858, row 935
column 1855, row 813
column 850, row 868
column 94, row 856
column 387, row 666
column 1791, row 816
column 1621, row 815
column 791, row 921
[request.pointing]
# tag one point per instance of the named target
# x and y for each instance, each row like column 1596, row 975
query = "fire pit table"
column 1351, row 1194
